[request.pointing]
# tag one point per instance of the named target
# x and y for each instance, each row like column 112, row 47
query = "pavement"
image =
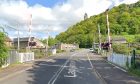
column 14, row 69
column 111, row 73
column 79, row 67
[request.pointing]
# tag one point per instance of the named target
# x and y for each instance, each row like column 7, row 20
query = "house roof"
column 8, row 39
column 23, row 39
column 118, row 39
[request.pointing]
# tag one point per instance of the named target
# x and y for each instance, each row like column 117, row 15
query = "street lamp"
column 108, row 28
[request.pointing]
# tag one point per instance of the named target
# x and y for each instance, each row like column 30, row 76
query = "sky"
column 48, row 17
column 46, row 3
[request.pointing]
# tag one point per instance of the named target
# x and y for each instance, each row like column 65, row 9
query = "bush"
column 22, row 50
column 124, row 33
column 38, row 54
column 3, row 49
column 137, row 52
column 137, row 38
column 60, row 51
column 121, row 48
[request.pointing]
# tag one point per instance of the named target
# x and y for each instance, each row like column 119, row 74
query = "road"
column 68, row 68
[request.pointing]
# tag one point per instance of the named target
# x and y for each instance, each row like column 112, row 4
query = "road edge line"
column 97, row 73
column 116, row 66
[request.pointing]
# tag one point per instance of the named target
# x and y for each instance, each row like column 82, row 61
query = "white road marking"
column 73, row 76
column 90, row 68
column 89, row 61
column 52, row 65
column 56, row 75
column 117, row 66
column 120, row 68
column 48, row 60
column 96, row 72
column 72, row 69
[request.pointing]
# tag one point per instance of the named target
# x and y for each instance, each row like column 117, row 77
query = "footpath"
column 112, row 74
column 14, row 69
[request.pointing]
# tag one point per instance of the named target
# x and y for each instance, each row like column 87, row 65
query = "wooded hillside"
column 124, row 20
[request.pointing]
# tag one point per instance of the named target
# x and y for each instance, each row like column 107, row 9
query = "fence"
column 120, row 59
column 25, row 57
column 14, row 57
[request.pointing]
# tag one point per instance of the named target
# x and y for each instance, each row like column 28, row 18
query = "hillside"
column 124, row 20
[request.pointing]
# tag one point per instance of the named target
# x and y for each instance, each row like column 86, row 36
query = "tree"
column 137, row 38
column 51, row 41
column 123, row 20
column 3, row 49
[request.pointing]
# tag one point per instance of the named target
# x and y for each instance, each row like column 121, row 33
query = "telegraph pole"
column 18, row 39
column 47, row 43
column 47, row 38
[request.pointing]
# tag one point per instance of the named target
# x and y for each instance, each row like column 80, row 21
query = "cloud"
column 16, row 13
column 130, row 1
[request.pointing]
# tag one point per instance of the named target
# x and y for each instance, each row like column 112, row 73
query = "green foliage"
column 22, row 50
column 51, row 41
column 124, row 33
column 130, row 38
column 3, row 49
column 135, row 72
column 135, row 69
column 121, row 48
column 38, row 53
column 124, row 20
column 137, row 38
column 137, row 52
column 60, row 51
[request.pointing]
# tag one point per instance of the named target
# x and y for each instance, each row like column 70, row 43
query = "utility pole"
column 30, row 26
column 93, row 46
column 47, row 43
column 99, row 37
column 47, row 38
column 18, row 38
column 108, row 28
